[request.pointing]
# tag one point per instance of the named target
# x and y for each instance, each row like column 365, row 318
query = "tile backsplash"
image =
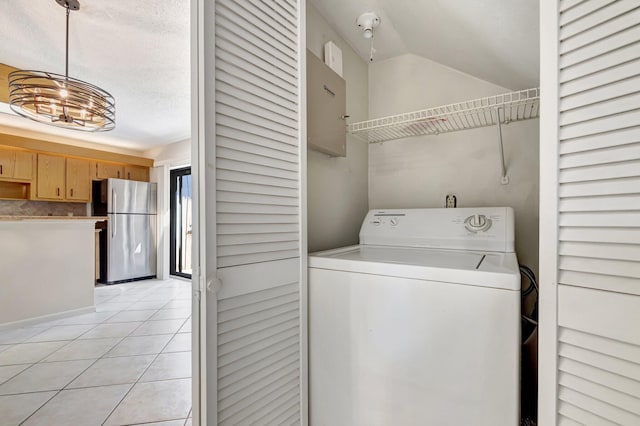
column 40, row 208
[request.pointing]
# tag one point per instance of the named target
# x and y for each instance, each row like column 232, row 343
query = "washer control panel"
column 481, row 228
column 477, row 223
column 386, row 220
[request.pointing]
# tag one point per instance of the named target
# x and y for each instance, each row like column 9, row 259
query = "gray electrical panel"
column 326, row 109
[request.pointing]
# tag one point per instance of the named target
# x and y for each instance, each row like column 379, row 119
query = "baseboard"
column 178, row 277
column 50, row 317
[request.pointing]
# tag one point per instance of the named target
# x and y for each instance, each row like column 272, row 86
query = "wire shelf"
column 489, row 111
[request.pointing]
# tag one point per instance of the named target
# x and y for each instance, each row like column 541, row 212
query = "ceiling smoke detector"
column 367, row 22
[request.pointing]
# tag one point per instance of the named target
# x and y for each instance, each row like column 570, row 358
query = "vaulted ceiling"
column 495, row 40
column 139, row 50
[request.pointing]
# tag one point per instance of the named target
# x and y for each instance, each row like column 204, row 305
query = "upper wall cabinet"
column 7, row 162
column 136, row 173
column 24, row 165
column 104, row 170
column 37, row 170
column 326, row 108
column 51, row 177
column 78, row 182
column 17, row 170
column 16, row 165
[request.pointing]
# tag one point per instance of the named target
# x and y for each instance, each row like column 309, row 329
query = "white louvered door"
column 590, row 213
column 256, row 233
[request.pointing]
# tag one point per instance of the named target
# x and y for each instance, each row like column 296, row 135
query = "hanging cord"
column 533, row 286
column 66, row 55
column 372, row 50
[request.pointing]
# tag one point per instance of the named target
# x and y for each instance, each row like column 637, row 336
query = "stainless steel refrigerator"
column 130, row 249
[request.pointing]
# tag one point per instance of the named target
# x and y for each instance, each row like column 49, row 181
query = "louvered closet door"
column 258, row 212
column 590, row 305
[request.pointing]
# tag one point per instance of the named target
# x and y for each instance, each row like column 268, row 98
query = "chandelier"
column 60, row 100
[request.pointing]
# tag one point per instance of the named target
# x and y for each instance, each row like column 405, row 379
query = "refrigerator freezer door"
column 131, row 246
column 128, row 196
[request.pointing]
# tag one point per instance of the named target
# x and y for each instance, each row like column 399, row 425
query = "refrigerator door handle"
column 114, row 195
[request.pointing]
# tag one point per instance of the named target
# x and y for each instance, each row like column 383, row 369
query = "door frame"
column 173, row 217
column 198, row 253
column 304, row 245
column 549, row 146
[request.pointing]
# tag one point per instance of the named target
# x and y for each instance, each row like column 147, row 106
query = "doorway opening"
column 181, row 223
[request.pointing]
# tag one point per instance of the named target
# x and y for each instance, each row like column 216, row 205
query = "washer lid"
column 486, row 269
column 411, row 256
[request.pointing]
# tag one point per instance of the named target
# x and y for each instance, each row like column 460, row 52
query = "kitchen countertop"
column 39, row 218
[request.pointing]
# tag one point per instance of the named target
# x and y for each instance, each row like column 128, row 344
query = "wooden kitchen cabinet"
column 61, row 178
column 51, row 177
column 7, row 163
column 17, row 165
column 78, row 179
column 136, row 173
column 32, row 169
column 104, row 170
column 16, row 174
column 24, row 165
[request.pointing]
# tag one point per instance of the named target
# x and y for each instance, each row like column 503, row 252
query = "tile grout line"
column 143, row 373
column 175, row 297
column 152, row 423
column 59, row 390
column 38, row 409
column 1, row 383
column 146, row 369
column 72, row 380
column 130, row 383
column 43, row 361
column 62, row 340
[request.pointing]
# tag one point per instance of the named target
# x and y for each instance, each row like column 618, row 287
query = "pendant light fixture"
column 60, row 100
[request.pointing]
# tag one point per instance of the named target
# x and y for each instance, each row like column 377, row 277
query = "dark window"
column 181, row 222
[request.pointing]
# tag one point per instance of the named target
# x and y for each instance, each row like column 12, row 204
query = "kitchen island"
column 47, row 268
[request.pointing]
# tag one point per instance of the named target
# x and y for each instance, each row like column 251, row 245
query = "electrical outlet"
column 450, row 201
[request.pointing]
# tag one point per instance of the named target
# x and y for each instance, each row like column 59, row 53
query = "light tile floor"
column 128, row 363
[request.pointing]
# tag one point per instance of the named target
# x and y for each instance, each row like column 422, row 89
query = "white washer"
column 419, row 324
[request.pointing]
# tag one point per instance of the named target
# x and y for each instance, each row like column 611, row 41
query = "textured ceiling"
column 139, row 50
column 136, row 50
column 495, row 40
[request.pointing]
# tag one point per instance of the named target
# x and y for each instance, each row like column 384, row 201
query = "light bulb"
column 64, row 93
column 368, row 33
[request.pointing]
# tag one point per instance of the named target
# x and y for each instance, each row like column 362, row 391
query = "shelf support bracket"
column 504, row 179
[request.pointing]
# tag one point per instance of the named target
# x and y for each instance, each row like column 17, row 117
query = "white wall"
column 166, row 157
column 47, row 269
column 420, row 171
column 337, row 187
column 64, row 140
column 175, row 154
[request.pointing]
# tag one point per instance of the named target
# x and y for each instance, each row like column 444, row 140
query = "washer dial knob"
column 477, row 223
